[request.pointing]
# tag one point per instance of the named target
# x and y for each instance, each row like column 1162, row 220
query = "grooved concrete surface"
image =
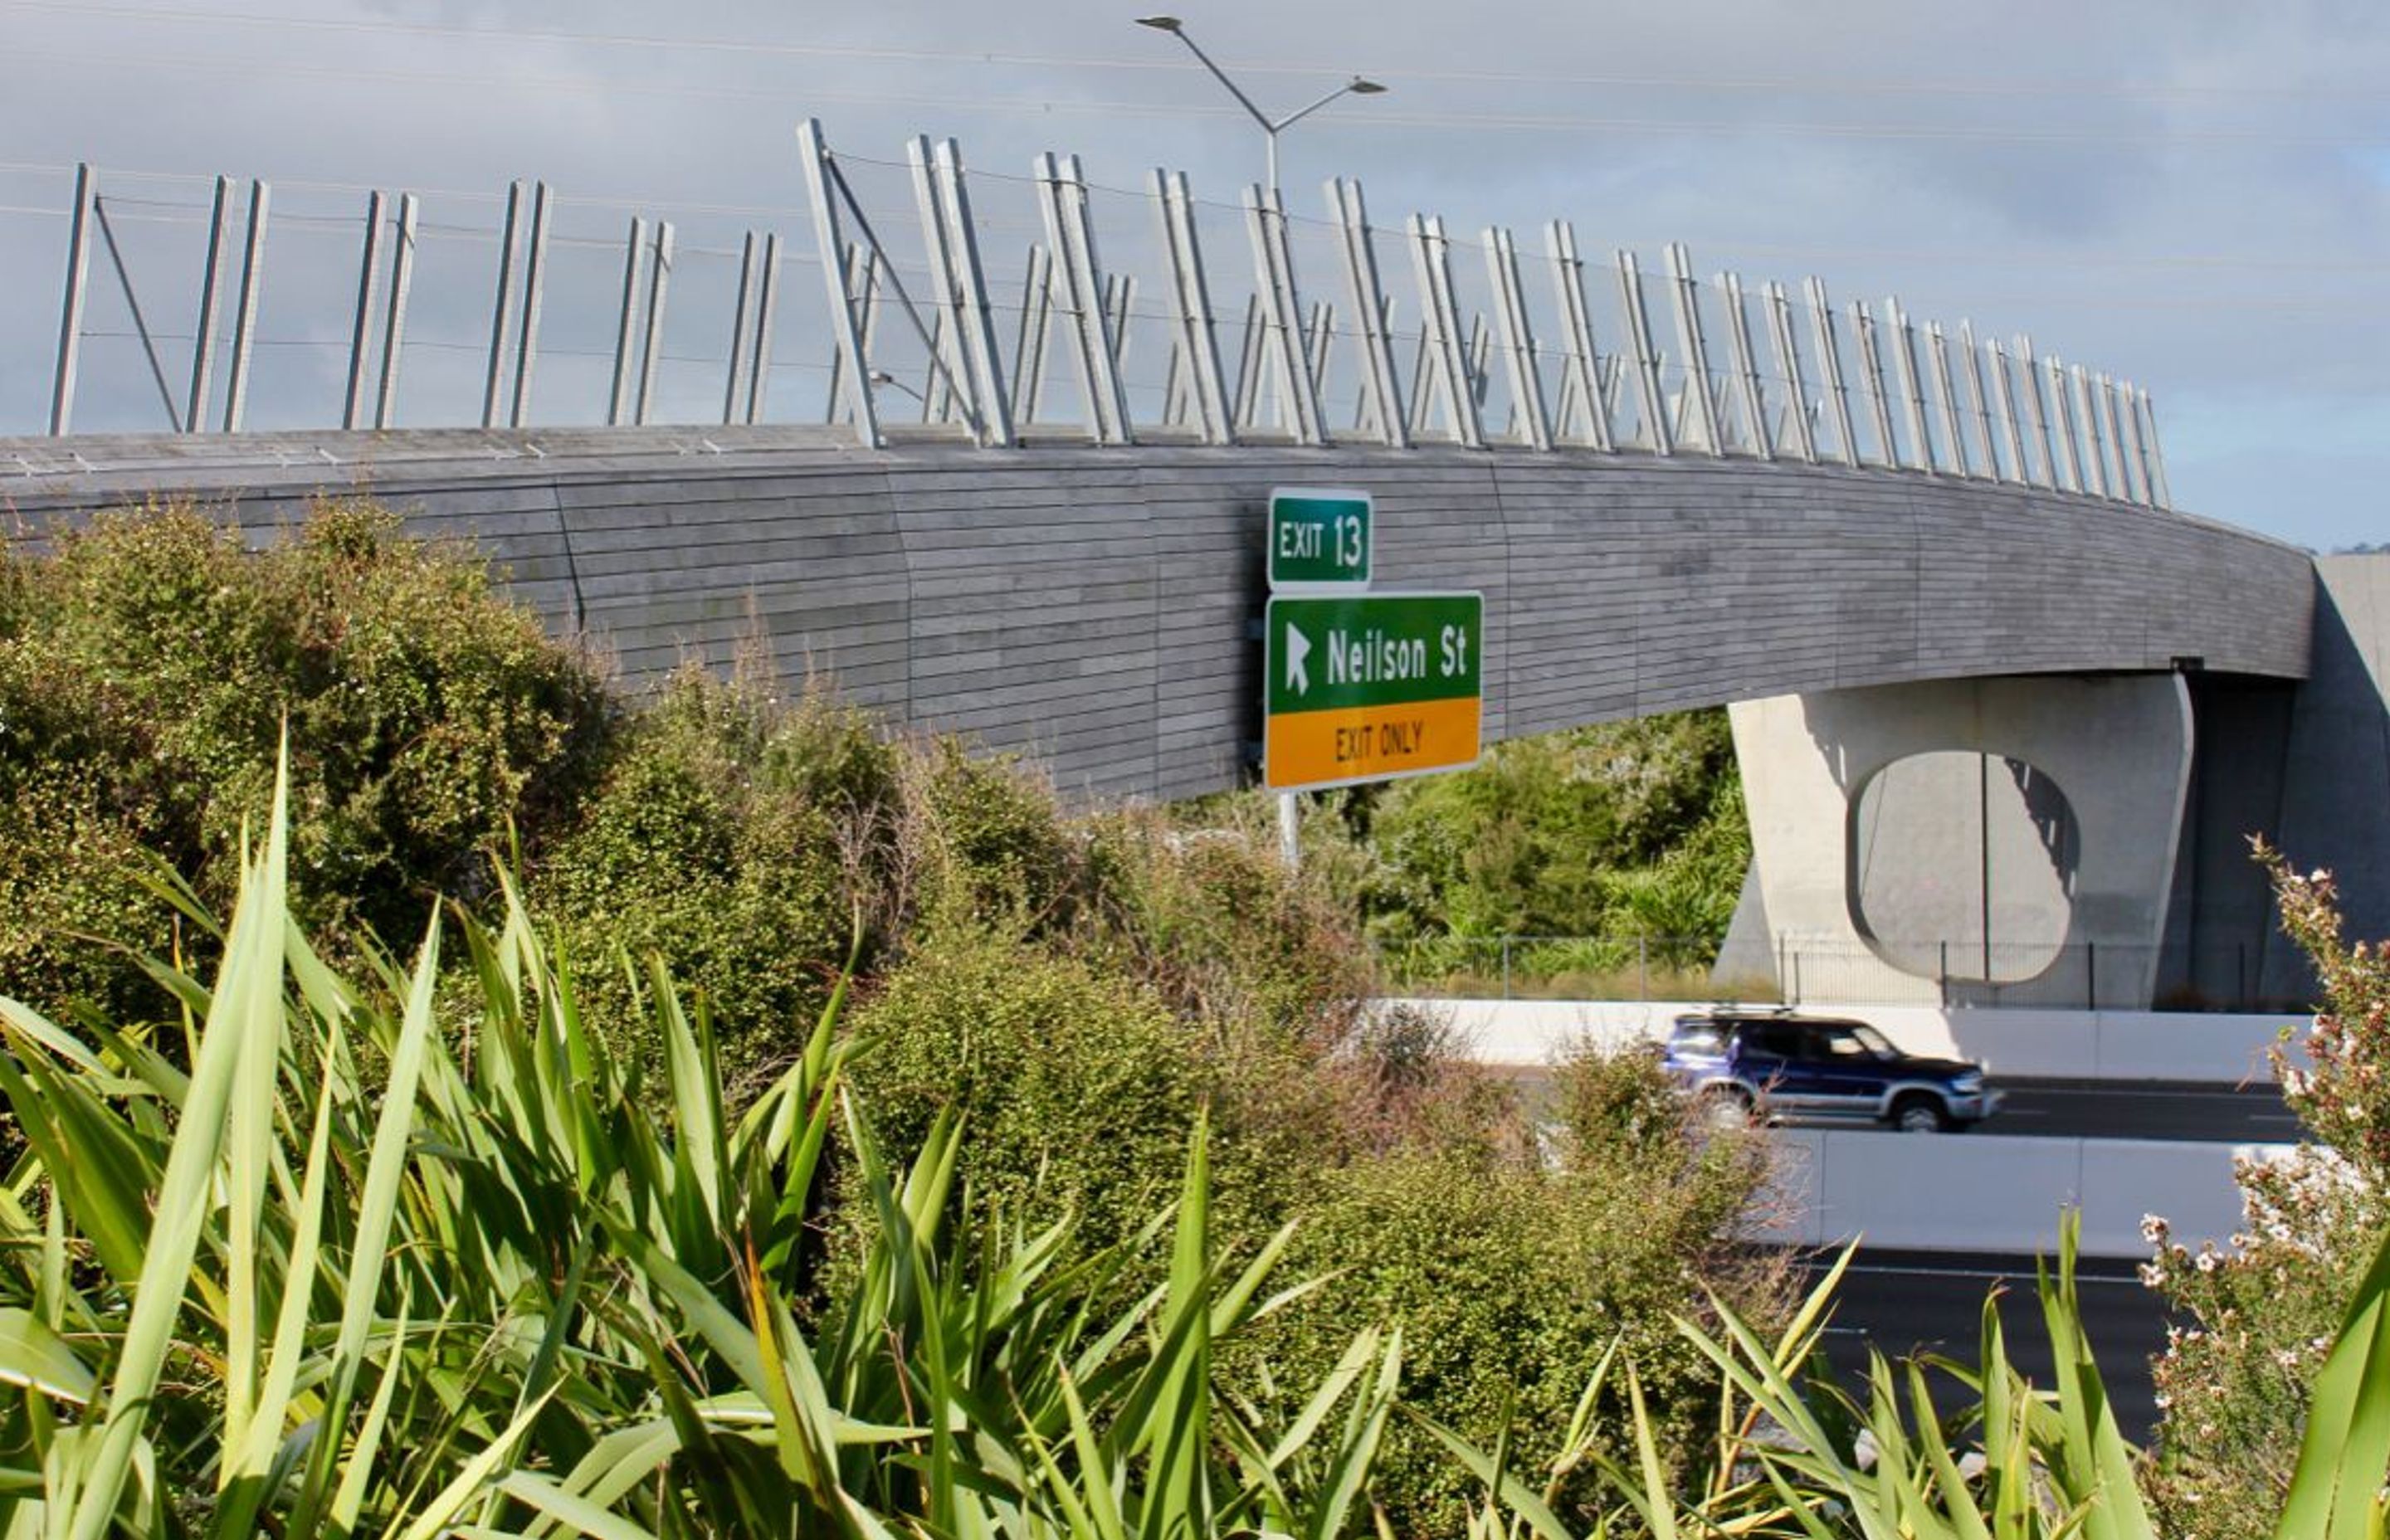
column 1093, row 607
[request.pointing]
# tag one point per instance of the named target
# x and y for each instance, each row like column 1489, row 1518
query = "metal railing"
column 1791, row 970
column 529, row 309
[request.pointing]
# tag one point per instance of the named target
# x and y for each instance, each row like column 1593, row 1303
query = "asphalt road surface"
column 1904, row 1302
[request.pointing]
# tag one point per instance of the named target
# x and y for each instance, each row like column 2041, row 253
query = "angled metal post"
column 946, row 284
column 1746, row 367
column 831, row 244
column 2125, row 483
column 502, row 308
column 2035, row 407
column 2127, row 427
column 1787, row 345
column 1581, row 382
column 1912, row 389
column 767, row 310
column 1250, row 363
column 361, row 332
column 62, row 383
column 1517, row 337
column 1878, row 391
column 1283, row 316
column 2019, row 469
column 2094, row 458
column 203, row 336
column 1703, row 404
column 741, row 317
column 978, row 311
column 652, row 355
column 1319, row 341
column 1651, row 390
column 2063, row 423
column 393, row 335
column 535, row 293
column 1037, row 322
column 1382, row 385
column 626, row 326
column 1446, row 346
column 244, row 313
column 1829, row 360
column 1979, row 402
column 1079, row 274
column 2155, row 460
column 1197, row 344
column 1946, row 398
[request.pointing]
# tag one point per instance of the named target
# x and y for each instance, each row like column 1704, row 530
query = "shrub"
column 150, row 666
column 2261, row 1315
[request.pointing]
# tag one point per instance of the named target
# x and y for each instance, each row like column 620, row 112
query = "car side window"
column 1774, row 1039
column 1844, row 1042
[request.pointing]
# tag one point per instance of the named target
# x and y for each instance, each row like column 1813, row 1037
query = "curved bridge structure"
column 1880, row 540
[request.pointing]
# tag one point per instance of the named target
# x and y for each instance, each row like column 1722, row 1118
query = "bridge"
column 1885, row 543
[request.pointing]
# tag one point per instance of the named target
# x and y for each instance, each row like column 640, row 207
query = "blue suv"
column 1776, row 1065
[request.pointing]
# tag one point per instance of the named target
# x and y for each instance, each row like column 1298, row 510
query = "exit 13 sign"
column 1320, row 539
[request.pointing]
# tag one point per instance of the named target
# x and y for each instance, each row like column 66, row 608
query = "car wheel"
column 1725, row 1106
column 1920, row 1115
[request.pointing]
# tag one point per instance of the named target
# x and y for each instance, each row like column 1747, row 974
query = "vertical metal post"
column 1871, row 366
column 2160, row 496
column 767, row 310
column 1695, row 348
column 1518, row 336
column 652, row 355
column 1643, row 968
column 2128, row 444
column 1746, row 367
column 831, row 244
column 534, row 291
column 2086, row 407
column 1946, row 390
column 502, row 308
column 244, row 314
column 203, row 336
column 2091, row 975
column 1650, row 391
column 1361, row 281
column 740, row 319
column 1290, row 829
column 2011, row 430
column 1506, row 968
column 618, row 399
column 2069, row 426
column 1912, row 389
column 1581, row 391
column 71, row 308
column 1318, row 344
column 1197, row 346
column 402, row 279
column 1787, row 345
column 950, row 380
column 2124, row 483
column 977, row 312
column 361, row 333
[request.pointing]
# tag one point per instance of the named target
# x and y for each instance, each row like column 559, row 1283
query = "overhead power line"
column 1490, row 121
column 1806, row 84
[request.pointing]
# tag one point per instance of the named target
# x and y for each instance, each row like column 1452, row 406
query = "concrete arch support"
column 2006, row 839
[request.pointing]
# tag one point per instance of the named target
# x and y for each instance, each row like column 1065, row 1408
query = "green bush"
column 149, row 665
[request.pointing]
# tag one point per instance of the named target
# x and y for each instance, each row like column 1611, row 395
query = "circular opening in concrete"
column 1962, row 867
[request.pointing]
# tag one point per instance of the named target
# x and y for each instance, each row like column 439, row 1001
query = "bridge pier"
column 2007, row 841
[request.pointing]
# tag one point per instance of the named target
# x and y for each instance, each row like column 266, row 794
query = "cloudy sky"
column 2194, row 194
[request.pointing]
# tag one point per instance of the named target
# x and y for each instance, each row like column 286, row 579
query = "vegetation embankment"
column 1071, row 990
column 780, row 1127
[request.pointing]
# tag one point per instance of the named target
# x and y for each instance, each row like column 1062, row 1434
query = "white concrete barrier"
column 1942, row 1193
column 2105, row 1045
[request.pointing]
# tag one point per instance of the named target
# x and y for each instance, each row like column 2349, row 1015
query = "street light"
column 1270, row 127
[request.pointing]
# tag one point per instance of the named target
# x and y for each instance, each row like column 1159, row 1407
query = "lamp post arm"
column 1222, row 76
column 1296, row 117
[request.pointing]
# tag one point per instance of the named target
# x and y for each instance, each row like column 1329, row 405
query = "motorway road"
column 1932, row 1301
column 2091, row 1109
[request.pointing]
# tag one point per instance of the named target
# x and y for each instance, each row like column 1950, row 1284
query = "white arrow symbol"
column 1298, row 647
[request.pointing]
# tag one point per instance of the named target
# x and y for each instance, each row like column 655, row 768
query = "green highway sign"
column 1370, row 687
column 1319, row 539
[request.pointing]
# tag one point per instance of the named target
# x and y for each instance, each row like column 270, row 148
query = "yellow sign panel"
column 1366, row 743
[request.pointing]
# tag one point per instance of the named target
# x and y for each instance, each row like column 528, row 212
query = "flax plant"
column 410, row 1256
